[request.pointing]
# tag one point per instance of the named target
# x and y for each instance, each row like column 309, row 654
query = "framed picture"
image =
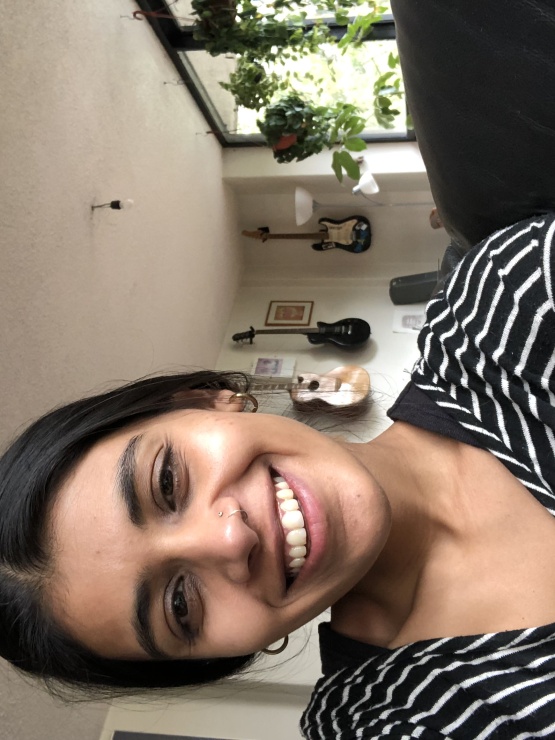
column 273, row 367
column 289, row 313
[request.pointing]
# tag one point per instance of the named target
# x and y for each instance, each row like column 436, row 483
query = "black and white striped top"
column 488, row 361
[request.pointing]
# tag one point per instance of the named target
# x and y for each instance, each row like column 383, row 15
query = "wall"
column 91, row 299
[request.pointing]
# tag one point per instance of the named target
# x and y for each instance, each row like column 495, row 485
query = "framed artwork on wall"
column 273, row 367
column 289, row 313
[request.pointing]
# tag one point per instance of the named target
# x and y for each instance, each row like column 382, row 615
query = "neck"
column 414, row 468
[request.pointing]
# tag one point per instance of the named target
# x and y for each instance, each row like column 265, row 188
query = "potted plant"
column 251, row 85
column 295, row 129
column 269, row 32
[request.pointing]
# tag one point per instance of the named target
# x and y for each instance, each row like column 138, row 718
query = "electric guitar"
column 344, row 387
column 351, row 234
column 347, row 333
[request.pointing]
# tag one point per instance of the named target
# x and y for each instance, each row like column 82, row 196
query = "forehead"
column 95, row 547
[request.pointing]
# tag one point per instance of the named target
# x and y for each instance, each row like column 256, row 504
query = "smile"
column 292, row 522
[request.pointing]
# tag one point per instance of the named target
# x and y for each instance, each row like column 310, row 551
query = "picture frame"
column 273, row 367
column 289, row 313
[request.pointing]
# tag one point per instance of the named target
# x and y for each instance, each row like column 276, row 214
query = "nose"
column 204, row 540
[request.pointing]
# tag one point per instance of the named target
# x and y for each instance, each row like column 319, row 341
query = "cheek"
column 239, row 625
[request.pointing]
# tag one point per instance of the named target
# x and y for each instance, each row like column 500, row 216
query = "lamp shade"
column 304, row 206
column 367, row 185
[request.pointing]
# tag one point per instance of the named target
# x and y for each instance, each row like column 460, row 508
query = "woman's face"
column 149, row 562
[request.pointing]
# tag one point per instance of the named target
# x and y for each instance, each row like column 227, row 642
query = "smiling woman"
column 156, row 536
column 38, row 466
column 136, row 528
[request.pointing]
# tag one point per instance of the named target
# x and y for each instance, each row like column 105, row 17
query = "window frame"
column 176, row 39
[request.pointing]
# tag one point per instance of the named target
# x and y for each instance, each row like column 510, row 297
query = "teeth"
column 297, row 563
column 292, row 521
column 290, row 504
column 285, row 493
column 296, row 537
column 282, row 485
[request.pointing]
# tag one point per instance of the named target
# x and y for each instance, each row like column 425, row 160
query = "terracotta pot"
column 285, row 142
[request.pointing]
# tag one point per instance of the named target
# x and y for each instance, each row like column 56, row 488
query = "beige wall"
column 87, row 300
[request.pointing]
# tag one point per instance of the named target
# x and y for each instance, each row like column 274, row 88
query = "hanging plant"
column 296, row 129
column 388, row 89
column 230, row 27
column 251, row 86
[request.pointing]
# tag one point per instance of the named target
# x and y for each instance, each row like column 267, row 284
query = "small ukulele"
column 351, row 234
column 343, row 387
column 347, row 333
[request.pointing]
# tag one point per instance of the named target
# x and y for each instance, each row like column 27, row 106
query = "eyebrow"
column 141, row 621
column 126, row 474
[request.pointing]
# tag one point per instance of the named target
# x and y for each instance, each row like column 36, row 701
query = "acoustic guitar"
column 347, row 333
column 351, row 234
column 343, row 387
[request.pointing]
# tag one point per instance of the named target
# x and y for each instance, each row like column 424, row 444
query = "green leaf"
column 358, row 125
column 336, row 165
column 355, row 144
column 349, row 165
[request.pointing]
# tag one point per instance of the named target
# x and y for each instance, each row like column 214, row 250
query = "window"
column 348, row 77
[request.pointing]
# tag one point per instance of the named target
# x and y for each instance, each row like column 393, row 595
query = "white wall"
column 91, row 299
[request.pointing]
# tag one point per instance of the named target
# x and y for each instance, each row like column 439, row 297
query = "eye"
column 179, row 604
column 182, row 604
column 165, row 486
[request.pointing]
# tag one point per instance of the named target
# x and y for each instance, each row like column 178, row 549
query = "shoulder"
column 519, row 256
column 455, row 687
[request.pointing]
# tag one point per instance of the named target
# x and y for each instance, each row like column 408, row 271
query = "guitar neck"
column 292, row 331
column 263, row 383
column 319, row 235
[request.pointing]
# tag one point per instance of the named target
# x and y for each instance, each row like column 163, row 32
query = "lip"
column 314, row 525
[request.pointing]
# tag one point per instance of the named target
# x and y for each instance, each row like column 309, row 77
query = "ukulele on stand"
column 351, row 234
column 347, row 333
column 343, row 387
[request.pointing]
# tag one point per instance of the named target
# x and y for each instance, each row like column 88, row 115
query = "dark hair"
column 31, row 471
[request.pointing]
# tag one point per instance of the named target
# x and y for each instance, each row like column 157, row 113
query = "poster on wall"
column 289, row 313
column 273, row 367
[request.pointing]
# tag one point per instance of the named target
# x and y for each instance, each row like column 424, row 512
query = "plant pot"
column 285, row 142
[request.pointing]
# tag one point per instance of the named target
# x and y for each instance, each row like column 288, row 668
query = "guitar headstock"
column 261, row 233
column 245, row 336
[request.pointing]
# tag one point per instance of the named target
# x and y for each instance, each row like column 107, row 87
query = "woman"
column 153, row 536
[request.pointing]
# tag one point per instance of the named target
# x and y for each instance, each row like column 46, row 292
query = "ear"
column 208, row 399
column 222, row 402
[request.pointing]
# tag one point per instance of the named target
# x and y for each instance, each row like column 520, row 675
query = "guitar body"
column 351, row 234
column 343, row 387
column 347, row 333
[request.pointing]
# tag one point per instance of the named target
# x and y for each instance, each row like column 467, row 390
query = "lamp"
column 305, row 205
column 367, row 185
